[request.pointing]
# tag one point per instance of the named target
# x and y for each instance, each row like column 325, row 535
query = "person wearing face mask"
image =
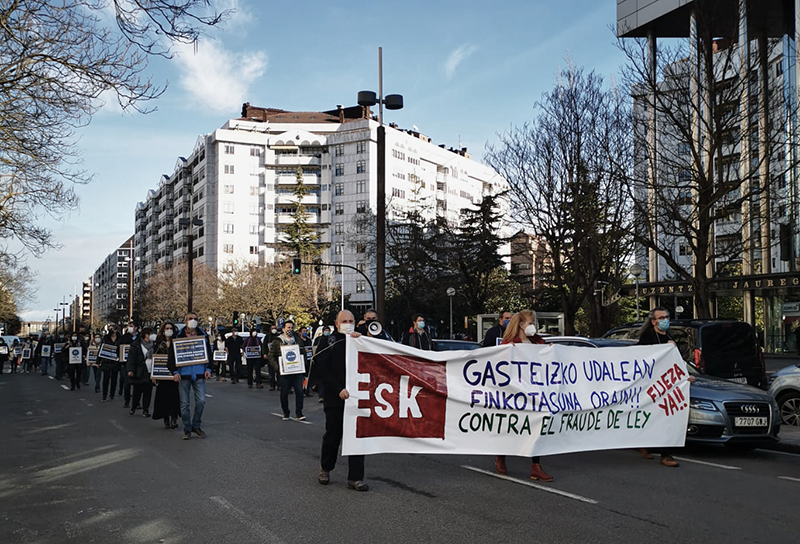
column 74, row 370
column 233, row 349
column 167, row 404
column 138, row 367
column 654, row 331
column 110, row 368
column 371, row 316
column 290, row 381
column 265, row 345
column 192, row 380
column 253, row 359
column 521, row 329
column 95, row 342
column 495, row 334
column 219, row 346
column 131, row 334
column 331, row 360
column 417, row 336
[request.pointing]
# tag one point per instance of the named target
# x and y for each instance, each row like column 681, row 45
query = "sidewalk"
column 790, row 440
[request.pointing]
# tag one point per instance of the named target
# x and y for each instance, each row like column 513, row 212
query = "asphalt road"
column 75, row 470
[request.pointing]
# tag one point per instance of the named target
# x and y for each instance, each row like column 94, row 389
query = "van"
column 725, row 349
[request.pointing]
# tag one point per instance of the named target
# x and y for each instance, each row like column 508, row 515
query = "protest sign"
column 91, row 356
column 160, row 370
column 75, row 355
column 18, row 351
column 4, row 350
column 190, row 351
column 291, row 360
column 109, row 351
column 46, row 351
column 252, row 352
column 523, row 399
column 123, row 352
column 26, row 353
column 58, row 347
column 220, row 355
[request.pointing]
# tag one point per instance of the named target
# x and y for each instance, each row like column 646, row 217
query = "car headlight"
column 702, row 404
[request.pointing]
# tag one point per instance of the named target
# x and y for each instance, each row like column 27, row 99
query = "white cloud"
column 457, row 57
column 217, row 78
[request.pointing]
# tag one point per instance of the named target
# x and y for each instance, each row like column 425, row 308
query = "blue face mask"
column 420, row 325
column 326, row 333
column 663, row 325
column 506, row 322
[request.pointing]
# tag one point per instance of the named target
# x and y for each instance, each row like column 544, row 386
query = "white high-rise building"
column 239, row 181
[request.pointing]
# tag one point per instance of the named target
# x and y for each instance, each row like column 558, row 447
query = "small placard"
column 46, row 351
column 160, row 370
column 190, row 351
column 252, row 352
column 123, row 352
column 26, row 353
column 58, row 347
column 91, row 356
column 220, row 355
column 3, row 350
column 291, row 360
column 109, row 352
column 75, row 355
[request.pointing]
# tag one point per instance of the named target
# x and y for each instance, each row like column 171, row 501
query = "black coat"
column 329, row 366
column 651, row 338
column 492, row 335
column 137, row 364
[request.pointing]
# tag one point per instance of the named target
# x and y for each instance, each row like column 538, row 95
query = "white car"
column 784, row 385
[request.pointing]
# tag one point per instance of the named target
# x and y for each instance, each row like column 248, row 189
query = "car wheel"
column 789, row 406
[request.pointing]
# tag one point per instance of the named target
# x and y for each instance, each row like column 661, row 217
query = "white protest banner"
column 291, row 360
column 75, row 355
column 523, row 399
column 45, row 351
column 190, row 351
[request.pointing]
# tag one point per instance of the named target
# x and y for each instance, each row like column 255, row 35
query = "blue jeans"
column 287, row 382
column 45, row 365
column 186, row 386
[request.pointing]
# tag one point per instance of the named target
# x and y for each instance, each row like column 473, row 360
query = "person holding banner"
column 286, row 380
column 167, row 404
column 191, row 378
column 138, row 367
column 73, row 357
column 252, row 353
column 109, row 362
column 330, row 361
column 521, row 329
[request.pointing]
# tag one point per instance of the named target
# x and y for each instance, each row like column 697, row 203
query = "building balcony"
column 290, row 199
column 298, row 160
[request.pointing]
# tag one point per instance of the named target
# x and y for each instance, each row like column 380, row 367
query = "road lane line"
column 781, row 452
column 263, row 533
column 717, row 465
column 789, row 478
column 306, row 422
column 209, row 396
column 49, row 376
column 531, row 484
column 117, row 425
column 64, row 387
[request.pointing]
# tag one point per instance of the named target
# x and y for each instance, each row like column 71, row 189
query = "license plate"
column 738, row 380
column 750, row 421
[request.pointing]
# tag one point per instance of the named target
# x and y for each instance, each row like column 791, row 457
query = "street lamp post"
column 636, row 270
column 64, row 315
column 450, row 293
column 392, row 102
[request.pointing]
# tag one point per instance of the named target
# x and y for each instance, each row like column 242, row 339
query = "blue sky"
column 467, row 71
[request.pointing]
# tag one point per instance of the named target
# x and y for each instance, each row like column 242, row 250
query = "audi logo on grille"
column 749, row 409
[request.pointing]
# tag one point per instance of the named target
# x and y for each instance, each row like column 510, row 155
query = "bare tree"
column 568, row 188
column 16, row 285
column 165, row 293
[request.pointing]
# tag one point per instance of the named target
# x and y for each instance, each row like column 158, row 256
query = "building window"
column 253, row 191
column 339, row 208
column 338, row 228
column 339, row 170
column 228, row 190
column 339, row 150
column 253, row 228
column 361, row 186
column 338, row 248
column 361, row 247
column 227, row 248
column 361, row 147
column 255, row 151
column 253, row 209
column 227, row 207
column 122, row 275
column 361, row 206
column 361, row 167
column 338, row 189
column 227, row 228
column 360, row 286
column 253, row 250
column 683, row 250
column 361, row 267
column 228, row 149
column 228, row 169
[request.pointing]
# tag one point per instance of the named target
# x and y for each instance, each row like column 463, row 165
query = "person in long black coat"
column 167, row 405
column 140, row 361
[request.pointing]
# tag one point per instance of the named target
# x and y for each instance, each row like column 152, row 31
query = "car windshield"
column 733, row 338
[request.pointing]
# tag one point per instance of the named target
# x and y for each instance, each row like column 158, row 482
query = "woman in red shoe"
column 522, row 330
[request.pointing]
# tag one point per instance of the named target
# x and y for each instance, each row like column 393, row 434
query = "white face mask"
column 530, row 330
column 97, row 339
column 130, row 330
column 168, row 333
column 152, row 337
column 346, row 328
column 74, row 338
column 192, row 324
column 252, row 333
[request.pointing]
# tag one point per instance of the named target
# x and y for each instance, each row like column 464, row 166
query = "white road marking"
column 264, row 534
column 64, row 387
column 306, row 422
column 209, row 396
column 49, row 376
column 531, row 484
column 789, row 478
column 781, row 452
column 117, row 425
column 717, row 465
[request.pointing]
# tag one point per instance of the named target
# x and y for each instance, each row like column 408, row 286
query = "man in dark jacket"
column 331, row 366
column 495, row 334
column 131, row 335
column 288, row 381
column 417, row 336
column 138, row 365
column 191, row 379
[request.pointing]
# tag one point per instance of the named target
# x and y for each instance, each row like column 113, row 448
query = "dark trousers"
column 253, row 366
column 234, row 368
column 61, row 366
column 334, row 428
column 75, row 373
column 143, row 391
column 292, row 381
column 126, row 386
column 110, row 378
column 273, row 376
column 97, row 373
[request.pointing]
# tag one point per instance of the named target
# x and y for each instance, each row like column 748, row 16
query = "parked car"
column 725, row 349
column 785, row 387
column 720, row 411
column 440, row 344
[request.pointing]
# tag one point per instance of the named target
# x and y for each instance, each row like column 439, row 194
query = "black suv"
column 723, row 348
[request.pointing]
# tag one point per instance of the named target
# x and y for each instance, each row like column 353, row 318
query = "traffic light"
column 318, row 266
column 235, row 319
column 296, row 266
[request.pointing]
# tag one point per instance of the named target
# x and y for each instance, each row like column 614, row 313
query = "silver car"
column 721, row 411
column 784, row 385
